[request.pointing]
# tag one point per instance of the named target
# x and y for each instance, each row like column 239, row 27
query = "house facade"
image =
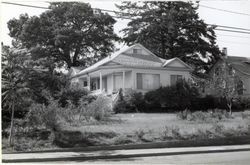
column 133, row 68
column 236, row 68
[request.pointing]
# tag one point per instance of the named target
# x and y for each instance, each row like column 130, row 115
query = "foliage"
column 135, row 100
column 224, row 82
column 70, row 33
column 171, row 29
column 15, row 89
column 245, row 115
column 140, row 134
column 71, row 94
column 129, row 102
column 183, row 114
column 177, row 97
column 100, row 108
column 48, row 116
column 210, row 116
column 172, row 132
column 121, row 105
column 199, row 116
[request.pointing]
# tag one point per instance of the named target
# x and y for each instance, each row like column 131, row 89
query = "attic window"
column 137, row 51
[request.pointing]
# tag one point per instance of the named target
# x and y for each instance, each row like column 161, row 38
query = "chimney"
column 224, row 51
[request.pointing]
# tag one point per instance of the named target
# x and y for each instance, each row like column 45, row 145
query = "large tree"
column 68, row 33
column 171, row 29
column 14, row 83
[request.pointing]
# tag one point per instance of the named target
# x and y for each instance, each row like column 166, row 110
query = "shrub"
column 177, row 97
column 218, row 129
column 245, row 115
column 199, row 116
column 124, row 104
column 214, row 115
column 176, row 132
column 183, row 114
column 100, row 108
column 135, row 100
column 72, row 94
column 140, row 134
column 220, row 114
column 41, row 115
column 203, row 134
column 165, row 133
column 212, row 102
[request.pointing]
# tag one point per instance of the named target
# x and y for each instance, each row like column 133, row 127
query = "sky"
column 238, row 44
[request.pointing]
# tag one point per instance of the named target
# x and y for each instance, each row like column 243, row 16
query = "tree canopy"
column 171, row 29
column 68, row 33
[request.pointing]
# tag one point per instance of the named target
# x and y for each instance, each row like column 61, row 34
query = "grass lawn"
column 139, row 127
column 156, row 122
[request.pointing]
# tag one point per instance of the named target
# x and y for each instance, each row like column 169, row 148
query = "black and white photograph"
column 125, row 82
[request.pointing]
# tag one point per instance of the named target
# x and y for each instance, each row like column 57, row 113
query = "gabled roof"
column 168, row 62
column 241, row 64
column 114, row 58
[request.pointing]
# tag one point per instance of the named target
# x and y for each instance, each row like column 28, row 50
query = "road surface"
column 232, row 155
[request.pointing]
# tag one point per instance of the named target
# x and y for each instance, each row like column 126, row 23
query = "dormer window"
column 137, row 51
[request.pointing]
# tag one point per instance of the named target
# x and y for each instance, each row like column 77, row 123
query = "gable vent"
column 137, row 51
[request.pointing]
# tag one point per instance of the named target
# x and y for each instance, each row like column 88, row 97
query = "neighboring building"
column 238, row 67
column 134, row 68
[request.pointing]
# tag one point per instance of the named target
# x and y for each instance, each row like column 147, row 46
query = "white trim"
column 174, row 59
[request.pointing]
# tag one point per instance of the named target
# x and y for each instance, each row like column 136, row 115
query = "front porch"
column 107, row 81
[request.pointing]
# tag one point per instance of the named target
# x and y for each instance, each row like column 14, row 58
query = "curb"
column 81, row 158
column 168, row 144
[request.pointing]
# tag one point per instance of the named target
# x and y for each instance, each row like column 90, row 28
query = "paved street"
column 237, row 154
column 229, row 158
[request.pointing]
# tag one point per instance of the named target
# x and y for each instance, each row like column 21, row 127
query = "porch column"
column 123, row 80
column 88, row 82
column 112, row 83
column 133, row 80
column 100, row 81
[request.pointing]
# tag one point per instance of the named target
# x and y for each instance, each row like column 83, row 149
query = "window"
column 85, row 83
column 137, row 51
column 148, row 81
column 174, row 79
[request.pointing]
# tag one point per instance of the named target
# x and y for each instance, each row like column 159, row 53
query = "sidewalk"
column 111, row 154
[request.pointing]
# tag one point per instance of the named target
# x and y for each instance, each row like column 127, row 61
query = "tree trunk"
column 230, row 107
column 11, row 141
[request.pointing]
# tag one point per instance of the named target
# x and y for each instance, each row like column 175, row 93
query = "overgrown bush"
column 245, row 115
column 140, row 134
column 44, row 116
column 212, row 102
column 135, row 100
column 183, row 114
column 199, row 116
column 177, row 97
column 100, row 108
column 129, row 102
column 72, row 94
column 209, row 116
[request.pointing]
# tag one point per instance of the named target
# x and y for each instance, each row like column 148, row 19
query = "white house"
column 133, row 68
